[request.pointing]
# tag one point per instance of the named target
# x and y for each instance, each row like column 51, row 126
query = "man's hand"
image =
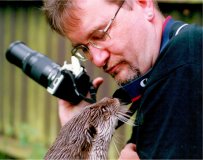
column 67, row 110
column 129, row 152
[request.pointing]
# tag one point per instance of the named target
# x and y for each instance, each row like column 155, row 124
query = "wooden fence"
column 28, row 114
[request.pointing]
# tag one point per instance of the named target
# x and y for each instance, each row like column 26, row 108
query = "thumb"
column 131, row 146
column 97, row 82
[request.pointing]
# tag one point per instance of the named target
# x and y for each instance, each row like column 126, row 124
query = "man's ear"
column 148, row 8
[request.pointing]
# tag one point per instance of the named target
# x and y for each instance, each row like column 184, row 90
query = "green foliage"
column 38, row 149
column 5, row 156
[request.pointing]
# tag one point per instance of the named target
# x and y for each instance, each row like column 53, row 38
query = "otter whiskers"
column 124, row 117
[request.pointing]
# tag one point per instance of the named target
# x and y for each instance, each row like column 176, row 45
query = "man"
column 132, row 41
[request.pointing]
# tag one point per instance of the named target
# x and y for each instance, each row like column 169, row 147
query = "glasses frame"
column 85, row 47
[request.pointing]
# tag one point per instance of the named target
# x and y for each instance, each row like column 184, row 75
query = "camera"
column 69, row 82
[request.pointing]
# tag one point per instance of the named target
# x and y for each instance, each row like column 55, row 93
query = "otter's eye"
column 105, row 112
column 104, row 109
column 92, row 131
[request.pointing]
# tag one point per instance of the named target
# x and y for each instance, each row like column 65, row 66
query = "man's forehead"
column 92, row 14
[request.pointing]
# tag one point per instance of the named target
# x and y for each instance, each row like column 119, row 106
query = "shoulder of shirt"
column 186, row 30
column 183, row 49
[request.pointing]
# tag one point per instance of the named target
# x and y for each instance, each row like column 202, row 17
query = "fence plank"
column 18, row 82
column 7, row 110
column 1, row 69
column 52, row 121
column 33, row 87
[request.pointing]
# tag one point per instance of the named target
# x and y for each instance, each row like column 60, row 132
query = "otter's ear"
column 90, row 132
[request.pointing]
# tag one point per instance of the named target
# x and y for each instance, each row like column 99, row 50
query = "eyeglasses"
column 82, row 51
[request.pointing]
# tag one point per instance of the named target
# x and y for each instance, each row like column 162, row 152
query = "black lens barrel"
column 35, row 65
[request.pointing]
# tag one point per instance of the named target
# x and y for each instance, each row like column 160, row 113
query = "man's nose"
column 98, row 56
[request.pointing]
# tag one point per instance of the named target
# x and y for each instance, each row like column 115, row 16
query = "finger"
column 129, row 152
column 97, row 82
column 131, row 146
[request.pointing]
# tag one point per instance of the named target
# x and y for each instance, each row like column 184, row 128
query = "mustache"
column 107, row 66
column 135, row 72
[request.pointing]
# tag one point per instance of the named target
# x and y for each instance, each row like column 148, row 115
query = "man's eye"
column 84, row 49
column 98, row 35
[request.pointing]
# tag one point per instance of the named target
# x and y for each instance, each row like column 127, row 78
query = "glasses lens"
column 81, row 52
column 98, row 37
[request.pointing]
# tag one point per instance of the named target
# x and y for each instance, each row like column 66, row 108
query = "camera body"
column 69, row 82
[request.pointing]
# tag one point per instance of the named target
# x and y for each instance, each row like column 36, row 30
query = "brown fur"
column 88, row 134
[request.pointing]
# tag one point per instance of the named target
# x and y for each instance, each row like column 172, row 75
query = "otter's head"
column 102, row 118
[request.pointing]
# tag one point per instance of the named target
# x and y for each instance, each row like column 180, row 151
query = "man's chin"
column 123, row 79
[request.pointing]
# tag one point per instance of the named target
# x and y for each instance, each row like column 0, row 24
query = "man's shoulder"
column 184, row 29
column 182, row 49
column 187, row 44
column 190, row 35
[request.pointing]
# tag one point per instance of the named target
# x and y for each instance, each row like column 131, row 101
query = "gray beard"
column 136, row 75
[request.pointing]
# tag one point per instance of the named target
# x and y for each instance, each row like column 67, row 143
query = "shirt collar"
column 165, row 32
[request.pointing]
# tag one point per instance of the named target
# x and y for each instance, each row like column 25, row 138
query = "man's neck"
column 158, row 22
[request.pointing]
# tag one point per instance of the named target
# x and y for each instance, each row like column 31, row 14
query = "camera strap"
column 92, row 91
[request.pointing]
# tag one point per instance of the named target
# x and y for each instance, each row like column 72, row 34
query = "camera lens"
column 37, row 66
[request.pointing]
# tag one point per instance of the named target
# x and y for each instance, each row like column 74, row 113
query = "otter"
column 88, row 134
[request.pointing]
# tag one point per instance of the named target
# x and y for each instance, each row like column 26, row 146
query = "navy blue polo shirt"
column 169, row 115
